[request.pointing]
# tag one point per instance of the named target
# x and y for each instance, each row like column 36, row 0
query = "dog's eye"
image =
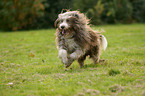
column 61, row 20
column 67, row 20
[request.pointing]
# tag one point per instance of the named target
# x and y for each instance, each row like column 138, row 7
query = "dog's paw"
column 70, row 61
column 66, row 66
column 73, row 55
column 65, row 61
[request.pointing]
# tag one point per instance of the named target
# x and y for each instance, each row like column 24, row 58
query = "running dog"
column 76, row 40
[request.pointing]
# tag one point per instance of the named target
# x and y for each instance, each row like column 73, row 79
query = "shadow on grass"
column 92, row 65
column 88, row 67
column 74, row 68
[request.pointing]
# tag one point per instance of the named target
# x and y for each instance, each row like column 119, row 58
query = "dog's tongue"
column 63, row 32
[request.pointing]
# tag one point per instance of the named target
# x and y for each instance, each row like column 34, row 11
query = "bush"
column 92, row 8
column 117, row 11
column 96, row 12
column 19, row 14
column 36, row 14
column 106, row 11
column 138, row 10
column 84, row 5
column 52, row 9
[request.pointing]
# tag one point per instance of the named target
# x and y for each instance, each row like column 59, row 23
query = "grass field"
column 29, row 65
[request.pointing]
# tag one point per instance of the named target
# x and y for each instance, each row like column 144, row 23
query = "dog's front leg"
column 73, row 56
column 63, row 56
column 70, row 61
column 76, row 54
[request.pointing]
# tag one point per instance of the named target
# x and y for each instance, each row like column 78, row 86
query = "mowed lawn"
column 29, row 65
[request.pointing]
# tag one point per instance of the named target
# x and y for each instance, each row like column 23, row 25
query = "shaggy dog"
column 75, row 39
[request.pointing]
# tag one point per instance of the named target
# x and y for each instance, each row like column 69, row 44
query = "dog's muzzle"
column 62, row 27
column 63, row 32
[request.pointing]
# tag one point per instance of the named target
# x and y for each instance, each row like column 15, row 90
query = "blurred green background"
column 41, row 14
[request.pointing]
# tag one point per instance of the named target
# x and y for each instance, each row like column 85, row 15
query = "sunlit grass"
column 29, row 65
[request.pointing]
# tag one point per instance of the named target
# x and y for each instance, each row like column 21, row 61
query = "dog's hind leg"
column 96, row 57
column 81, row 61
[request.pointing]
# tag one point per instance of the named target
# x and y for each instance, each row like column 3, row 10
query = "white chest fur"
column 71, row 45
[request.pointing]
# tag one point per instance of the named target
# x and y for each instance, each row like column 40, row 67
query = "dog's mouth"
column 63, row 32
column 67, row 33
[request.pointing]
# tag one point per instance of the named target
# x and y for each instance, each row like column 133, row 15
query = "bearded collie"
column 76, row 40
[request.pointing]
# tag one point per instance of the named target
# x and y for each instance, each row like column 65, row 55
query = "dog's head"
column 66, row 21
column 71, row 23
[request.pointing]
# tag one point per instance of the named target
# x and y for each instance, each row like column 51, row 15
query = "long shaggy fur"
column 75, row 39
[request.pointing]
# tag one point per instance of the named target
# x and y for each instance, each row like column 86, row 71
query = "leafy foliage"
column 138, row 10
column 107, row 11
column 19, row 14
column 118, row 11
column 96, row 12
column 51, row 11
column 36, row 14
column 112, row 11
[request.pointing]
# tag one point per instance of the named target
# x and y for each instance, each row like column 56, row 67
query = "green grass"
column 29, row 65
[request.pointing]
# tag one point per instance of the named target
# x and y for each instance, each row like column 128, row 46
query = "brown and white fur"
column 75, row 39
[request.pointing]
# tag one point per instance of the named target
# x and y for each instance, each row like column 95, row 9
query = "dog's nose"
column 62, row 27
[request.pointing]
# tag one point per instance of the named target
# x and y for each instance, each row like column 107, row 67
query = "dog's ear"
column 56, row 22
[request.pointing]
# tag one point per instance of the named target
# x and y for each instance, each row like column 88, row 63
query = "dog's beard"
column 68, row 33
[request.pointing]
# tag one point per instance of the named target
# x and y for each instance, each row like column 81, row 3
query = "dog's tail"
column 103, row 42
